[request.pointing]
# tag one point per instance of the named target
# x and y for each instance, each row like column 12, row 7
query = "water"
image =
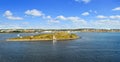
column 92, row 47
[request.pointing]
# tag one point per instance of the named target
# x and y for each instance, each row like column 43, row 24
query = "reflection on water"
column 54, row 42
column 92, row 47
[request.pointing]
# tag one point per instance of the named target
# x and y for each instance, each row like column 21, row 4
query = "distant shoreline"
column 52, row 30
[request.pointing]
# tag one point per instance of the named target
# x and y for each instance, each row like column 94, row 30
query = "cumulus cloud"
column 85, row 1
column 61, row 17
column 115, row 17
column 37, row 13
column 34, row 12
column 8, row 14
column 101, row 16
column 103, row 23
column 116, row 9
column 85, row 14
column 74, row 19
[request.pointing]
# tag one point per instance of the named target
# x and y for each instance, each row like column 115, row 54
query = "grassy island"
column 47, row 36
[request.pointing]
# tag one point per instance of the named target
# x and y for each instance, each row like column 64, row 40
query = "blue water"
column 92, row 47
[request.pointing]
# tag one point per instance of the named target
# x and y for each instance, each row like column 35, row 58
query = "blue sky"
column 57, row 14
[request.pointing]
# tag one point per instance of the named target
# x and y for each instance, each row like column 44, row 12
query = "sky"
column 59, row 14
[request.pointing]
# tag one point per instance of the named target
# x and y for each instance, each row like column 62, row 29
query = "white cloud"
column 85, row 14
column 8, row 14
column 14, row 18
column 74, row 19
column 48, row 17
column 116, row 9
column 101, row 16
column 38, row 13
column 34, row 12
column 60, row 17
column 85, row 1
column 115, row 17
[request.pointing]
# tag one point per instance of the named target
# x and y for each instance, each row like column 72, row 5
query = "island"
column 46, row 37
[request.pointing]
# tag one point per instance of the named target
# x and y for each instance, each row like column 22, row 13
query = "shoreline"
column 39, row 39
column 73, row 31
